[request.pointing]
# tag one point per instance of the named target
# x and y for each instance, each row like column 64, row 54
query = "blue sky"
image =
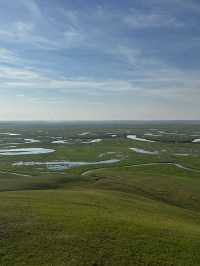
column 92, row 59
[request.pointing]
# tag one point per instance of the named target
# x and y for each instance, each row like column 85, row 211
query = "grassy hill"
column 116, row 217
column 119, row 214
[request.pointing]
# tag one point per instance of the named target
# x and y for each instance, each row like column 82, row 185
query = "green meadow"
column 76, row 206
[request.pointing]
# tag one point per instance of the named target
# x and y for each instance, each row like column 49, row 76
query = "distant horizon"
column 96, row 121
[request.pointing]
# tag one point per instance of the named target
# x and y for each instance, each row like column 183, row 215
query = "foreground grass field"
column 120, row 214
column 84, row 227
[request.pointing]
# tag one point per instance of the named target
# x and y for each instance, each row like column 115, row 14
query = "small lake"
column 144, row 151
column 25, row 151
column 134, row 137
column 61, row 165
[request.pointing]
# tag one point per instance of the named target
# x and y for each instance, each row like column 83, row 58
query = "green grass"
column 84, row 227
column 116, row 215
column 164, row 183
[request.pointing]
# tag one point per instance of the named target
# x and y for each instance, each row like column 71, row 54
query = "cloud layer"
column 117, row 60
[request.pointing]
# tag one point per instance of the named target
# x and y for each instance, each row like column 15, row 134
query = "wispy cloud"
column 24, row 33
column 32, row 7
column 7, row 56
column 73, row 37
column 139, row 19
column 99, row 54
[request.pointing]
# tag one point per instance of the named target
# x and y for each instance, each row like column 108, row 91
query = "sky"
column 99, row 59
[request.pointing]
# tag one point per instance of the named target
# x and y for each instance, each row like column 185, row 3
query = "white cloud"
column 19, row 78
column 32, row 7
column 139, row 19
column 7, row 56
column 17, row 74
column 73, row 37
column 26, row 34
column 23, row 29
column 170, row 84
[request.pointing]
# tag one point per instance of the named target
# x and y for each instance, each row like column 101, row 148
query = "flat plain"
column 115, row 193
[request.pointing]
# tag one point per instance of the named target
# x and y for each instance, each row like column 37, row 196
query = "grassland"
column 125, row 213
